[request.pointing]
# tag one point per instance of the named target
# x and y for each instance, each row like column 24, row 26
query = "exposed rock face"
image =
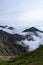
column 8, row 45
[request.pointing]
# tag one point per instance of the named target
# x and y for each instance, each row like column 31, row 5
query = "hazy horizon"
column 21, row 12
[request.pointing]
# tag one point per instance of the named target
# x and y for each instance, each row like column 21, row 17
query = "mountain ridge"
column 16, row 44
column 32, row 29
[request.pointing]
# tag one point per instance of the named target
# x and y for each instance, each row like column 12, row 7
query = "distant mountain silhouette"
column 3, row 26
column 32, row 29
column 11, row 28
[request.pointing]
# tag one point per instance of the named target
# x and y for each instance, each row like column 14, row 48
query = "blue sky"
column 21, row 12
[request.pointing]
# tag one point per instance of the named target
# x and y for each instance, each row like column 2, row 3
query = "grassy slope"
column 29, row 58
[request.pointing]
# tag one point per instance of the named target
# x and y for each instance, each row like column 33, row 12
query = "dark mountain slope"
column 8, row 45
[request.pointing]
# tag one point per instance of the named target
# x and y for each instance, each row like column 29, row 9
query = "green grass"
column 29, row 58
